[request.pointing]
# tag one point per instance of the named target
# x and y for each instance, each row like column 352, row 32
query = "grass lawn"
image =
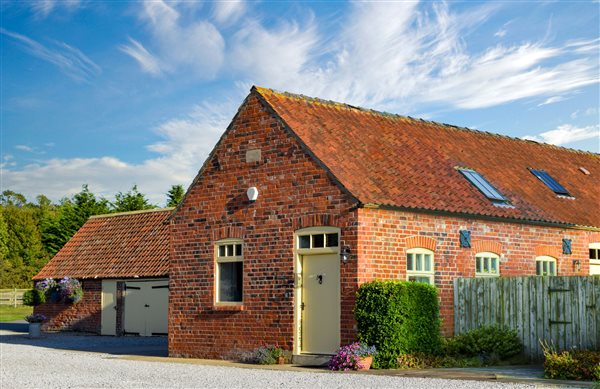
column 10, row 313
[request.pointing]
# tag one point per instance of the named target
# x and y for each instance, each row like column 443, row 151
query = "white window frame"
column 546, row 259
column 430, row 274
column 487, row 256
column 228, row 258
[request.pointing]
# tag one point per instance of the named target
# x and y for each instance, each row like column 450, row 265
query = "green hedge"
column 572, row 365
column 398, row 318
column 34, row 297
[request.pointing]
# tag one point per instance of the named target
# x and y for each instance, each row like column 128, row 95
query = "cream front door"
column 320, row 303
column 108, row 322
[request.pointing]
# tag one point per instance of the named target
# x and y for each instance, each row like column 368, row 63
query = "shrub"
column 349, row 357
column 34, row 297
column 266, row 355
column 491, row 342
column 571, row 365
column 398, row 318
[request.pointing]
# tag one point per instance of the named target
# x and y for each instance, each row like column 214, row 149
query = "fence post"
column 15, row 297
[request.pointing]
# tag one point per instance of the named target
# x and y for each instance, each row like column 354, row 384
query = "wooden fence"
column 563, row 311
column 12, row 297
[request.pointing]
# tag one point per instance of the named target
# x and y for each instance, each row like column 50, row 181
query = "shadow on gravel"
column 17, row 333
column 15, row 326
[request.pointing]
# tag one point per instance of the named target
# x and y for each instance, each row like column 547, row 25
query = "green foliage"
column 485, row 342
column 131, row 201
column 34, row 297
column 175, row 195
column 73, row 213
column 266, row 355
column 571, row 365
column 426, row 361
column 398, row 318
column 23, row 252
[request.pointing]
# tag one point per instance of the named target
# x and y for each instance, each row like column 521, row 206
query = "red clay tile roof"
column 120, row 245
column 398, row 161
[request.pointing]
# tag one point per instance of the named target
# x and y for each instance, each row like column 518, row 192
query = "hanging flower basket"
column 68, row 290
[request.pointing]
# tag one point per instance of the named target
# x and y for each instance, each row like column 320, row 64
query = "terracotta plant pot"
column 365, row 363
column 281, row 360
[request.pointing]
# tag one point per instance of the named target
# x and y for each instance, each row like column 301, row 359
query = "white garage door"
column 146, row 307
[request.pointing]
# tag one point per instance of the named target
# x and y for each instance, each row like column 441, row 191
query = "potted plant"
column 269, row 355
column 35, row 324
column 355, row 356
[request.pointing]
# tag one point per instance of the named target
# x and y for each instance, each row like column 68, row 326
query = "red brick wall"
column 294, row 192
column 83, row 316
column 385, row 236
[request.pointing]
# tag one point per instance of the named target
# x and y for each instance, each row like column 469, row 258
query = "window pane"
column 538, row 268
column 494, row 266
column 409, row 262
column 419, row 260
column 478, row 264
column 238, row 250
column 486, row 265
column 427, row 260
column 230, row 281
column 593, row 254
column 318, row 241
column 332, row 240
column 304, row 241
column 229, row 250
column 425, row 280
column 551, row 269
column 221, row 251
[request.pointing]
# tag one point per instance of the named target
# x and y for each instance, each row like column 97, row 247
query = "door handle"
column 320, row 278
column 147, row 306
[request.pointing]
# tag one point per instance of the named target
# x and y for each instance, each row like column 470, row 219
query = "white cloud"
column 228, row 11
column 24, row 148
column 147, row 61
column 43, row 8
column 70, row 60
column 197, row 46
column 566, row 134
column 274, row 56
column 500, row 33
column 187, row 141
column 552, row 100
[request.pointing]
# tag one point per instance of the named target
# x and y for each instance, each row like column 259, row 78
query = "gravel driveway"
column 52, row 363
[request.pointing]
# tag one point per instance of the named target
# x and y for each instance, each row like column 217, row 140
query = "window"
column 483, row 185
column 545, row 266
column 319, row 240
column 419, row 265
column 594, row 258
column 487, row 265
column 230, row 271
column 550, row 182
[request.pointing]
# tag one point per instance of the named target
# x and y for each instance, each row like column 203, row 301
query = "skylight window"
column 550, row 182
column 483, row 185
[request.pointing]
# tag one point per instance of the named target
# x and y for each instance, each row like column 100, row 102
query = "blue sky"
column 114, row 94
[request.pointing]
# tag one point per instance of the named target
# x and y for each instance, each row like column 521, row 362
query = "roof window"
column 483, row 185
column 550, row 182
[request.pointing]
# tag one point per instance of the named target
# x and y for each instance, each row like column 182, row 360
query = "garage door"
column 146, row 307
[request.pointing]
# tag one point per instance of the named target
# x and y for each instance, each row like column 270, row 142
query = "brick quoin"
column 85, row 316
column 296, row 191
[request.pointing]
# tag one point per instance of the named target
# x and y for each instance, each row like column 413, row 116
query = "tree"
column 72, row 213
column 11, row 198
column 24, row 252
column 175, row 195
column 131, row 201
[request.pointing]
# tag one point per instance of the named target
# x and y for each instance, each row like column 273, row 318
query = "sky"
column 115, row 93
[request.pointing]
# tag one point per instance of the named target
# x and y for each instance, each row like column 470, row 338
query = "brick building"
column 122, row 261
column 302, row 200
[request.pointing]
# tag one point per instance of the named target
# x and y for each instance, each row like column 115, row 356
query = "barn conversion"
column 302, row 200
column 122, row 261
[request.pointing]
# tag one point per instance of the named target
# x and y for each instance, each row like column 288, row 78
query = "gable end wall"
column 294, row 192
